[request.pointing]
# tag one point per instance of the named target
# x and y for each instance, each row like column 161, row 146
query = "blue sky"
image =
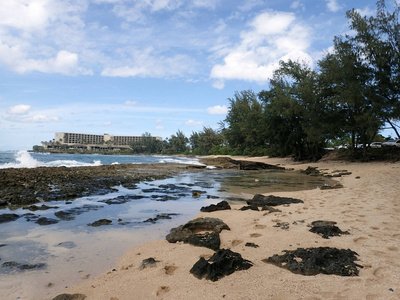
column 126, row 67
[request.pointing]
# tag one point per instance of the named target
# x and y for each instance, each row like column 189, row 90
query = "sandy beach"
column 367, row 206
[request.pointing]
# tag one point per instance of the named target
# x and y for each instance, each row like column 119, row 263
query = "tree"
column 204, row 142
column 346, row 83
column 245, row 124
column 378, row 40
column 178, row 142
column 295, row 114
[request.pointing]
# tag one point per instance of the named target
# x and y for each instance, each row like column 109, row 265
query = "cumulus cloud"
column 21, row 113
column 272, row 37
column 32, row 14
column 333, row 6
column 194, row 123
column 217, row 110
column 20, row 109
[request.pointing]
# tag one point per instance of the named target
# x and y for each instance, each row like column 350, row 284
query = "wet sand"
column 367, row 206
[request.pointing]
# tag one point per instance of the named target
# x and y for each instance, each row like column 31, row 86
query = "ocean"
column 68, row 250
column 25, row 159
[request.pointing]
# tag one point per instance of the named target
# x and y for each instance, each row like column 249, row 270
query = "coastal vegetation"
column 351, row 94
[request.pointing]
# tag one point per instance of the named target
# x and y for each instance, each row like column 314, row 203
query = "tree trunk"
column 394, row 128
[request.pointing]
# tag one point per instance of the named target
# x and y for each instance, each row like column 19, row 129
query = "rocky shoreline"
column 24, row 186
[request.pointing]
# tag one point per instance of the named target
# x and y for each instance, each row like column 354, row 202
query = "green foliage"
column 377, row 39
column 206, row 141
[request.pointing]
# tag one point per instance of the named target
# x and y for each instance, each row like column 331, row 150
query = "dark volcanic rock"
column 209, row 240
column 70, row 297
column 69, row 214
column 223, row 205
column 252, row 165
column 203, row 232
column 224, row 262
column 25, row 186
column 312, row 261
column 251, row 245
column 160, row 217
column 42, row 207
column 261, row 200
column 229, row 163
column 20, row 266
column 100, row 222
column 326, row 229
column 5, row 218
column 249, row 207
column 46, row 221
column 148, row 263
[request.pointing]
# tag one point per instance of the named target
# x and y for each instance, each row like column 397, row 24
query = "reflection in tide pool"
column 70, row 249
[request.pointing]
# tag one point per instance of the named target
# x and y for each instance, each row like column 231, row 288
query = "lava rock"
column 249, row 207
column 160, row 217
column 100, row 222
column 326, row 229
column 148, row 263
column 70, row 297
column 223, row 205
column 251, row 245
column 5, row 218
column 223, row 263
column 191, row 232
column 43, row 221
column 261, row 200
column 20, row 266
column 322, row 260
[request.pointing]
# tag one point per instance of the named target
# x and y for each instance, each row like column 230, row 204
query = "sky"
column 127, row 67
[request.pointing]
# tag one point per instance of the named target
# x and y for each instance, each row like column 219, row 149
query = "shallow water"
column 72, row 249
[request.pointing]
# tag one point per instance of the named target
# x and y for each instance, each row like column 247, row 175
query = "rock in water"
column 223, row 205
column 224, row 262
column 261, row 200
column 5, row 218
column 100, row 222
column 313, row 261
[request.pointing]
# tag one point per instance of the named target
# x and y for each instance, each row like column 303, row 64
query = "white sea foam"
column 22, row 160
column 185, row 161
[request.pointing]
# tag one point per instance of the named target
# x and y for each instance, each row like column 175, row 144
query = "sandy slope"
column 368, row 207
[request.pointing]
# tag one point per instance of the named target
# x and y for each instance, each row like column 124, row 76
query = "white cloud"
column 107, row 123
column 217, row 110
column 20, row 109
column 133, row 103
column 273, row 36
column 147, row 63
column 26, row 15
column 297, row 5
column 333, row 6
column 159, row 121
column 194, row 123
column 159, row 128
column 32, row 118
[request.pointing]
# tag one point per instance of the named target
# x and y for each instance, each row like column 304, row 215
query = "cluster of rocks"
column 23, row 186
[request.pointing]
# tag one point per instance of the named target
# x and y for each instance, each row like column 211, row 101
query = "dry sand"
column 368, row 206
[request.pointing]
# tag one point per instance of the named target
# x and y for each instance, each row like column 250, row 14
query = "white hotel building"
column 93, row 141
